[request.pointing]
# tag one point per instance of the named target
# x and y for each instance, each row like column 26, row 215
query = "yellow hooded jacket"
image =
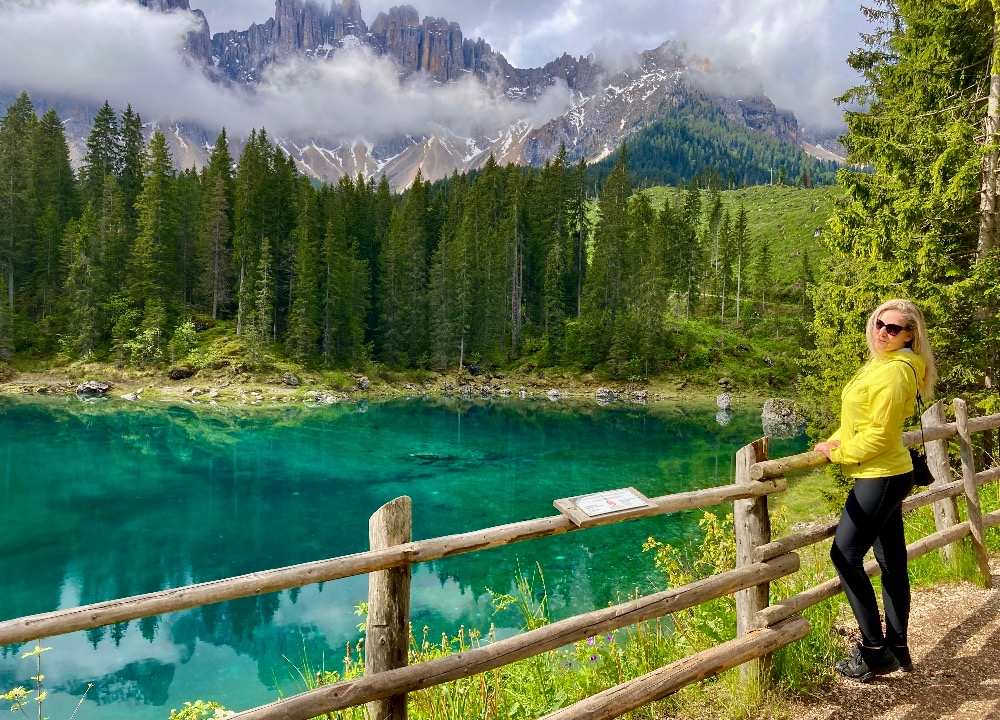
column 875, row 403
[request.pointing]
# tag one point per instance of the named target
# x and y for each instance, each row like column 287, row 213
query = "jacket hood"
column 910, row 358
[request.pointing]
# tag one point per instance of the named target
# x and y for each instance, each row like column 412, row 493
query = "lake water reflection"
column 108, row 501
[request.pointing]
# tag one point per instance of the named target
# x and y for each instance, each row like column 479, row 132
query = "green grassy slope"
column 791, row 219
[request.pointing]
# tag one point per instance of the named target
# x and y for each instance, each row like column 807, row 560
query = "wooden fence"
column 761, row 629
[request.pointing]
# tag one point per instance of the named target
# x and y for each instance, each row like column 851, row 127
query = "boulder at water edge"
column 780, row 419
column 93, row 388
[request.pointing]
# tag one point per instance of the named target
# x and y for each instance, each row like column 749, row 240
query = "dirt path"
column 955, row 643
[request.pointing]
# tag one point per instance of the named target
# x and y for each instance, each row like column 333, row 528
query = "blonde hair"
column 919, row 344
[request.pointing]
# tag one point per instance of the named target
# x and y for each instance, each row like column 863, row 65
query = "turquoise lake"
column 102, row 501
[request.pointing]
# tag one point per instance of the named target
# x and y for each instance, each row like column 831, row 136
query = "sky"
column 93, row 50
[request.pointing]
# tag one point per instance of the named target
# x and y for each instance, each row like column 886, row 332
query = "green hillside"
column 790, row 219
column 696, row 139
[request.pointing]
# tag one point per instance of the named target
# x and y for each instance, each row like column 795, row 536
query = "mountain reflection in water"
column 104, row 501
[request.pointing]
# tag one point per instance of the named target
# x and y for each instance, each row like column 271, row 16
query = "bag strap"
column 920, row 404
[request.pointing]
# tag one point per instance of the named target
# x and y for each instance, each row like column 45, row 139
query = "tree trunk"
column 988, row 230
column 991, row 161
column 239, row 309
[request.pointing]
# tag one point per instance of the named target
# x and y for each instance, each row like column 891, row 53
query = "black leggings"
column 873, row 518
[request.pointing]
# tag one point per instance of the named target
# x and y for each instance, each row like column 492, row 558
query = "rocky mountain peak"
column 398, row 18
column 166, row 5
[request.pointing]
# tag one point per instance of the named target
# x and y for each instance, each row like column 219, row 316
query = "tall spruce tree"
column 402, row 282
column 603, row 291
column 304, row 321
column 131, row 159
column 17, row 209
column 910, row 226
column 250, row 220
column 215, row 280
column 148, row 269
column 81, row 332
column 103, row 155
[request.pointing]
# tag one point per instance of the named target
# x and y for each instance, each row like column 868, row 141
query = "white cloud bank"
column 96, row 50
column 795, row 50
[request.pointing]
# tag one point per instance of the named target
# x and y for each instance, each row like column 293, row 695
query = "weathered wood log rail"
column 761, row 629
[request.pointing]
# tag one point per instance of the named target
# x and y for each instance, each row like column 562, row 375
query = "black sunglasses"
column 890, row 328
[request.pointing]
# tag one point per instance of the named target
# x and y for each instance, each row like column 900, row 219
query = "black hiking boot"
column 865, row 663
column 902, row 654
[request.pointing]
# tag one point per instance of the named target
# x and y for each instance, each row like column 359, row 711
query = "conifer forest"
column 128, row 259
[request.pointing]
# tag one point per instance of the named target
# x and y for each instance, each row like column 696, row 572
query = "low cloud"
column 96, row 50
column 795, row 50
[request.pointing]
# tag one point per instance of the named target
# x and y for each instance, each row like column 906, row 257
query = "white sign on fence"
column 584, row 508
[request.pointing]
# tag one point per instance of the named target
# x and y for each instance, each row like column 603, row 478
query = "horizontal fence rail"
column 812, row 459
column 667, row 680
column 191, row 596
column 349, row 693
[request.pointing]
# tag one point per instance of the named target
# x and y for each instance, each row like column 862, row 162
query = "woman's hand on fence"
column 826, row 447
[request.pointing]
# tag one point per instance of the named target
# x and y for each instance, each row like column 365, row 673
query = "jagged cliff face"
column 607, row 108
column 433, row 45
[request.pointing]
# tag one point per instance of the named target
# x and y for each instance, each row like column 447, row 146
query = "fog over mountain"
column 796, row 49
column 402, row 94
column 120, row 51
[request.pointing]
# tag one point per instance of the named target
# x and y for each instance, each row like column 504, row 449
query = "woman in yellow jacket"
column 869, row 448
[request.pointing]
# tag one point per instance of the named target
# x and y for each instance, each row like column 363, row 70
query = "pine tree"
column 305, row 317
column 512, row 238
column 55, row 182
column 260, row 320
column 451, row 284
column 579, row 227
column 742, row 246
column 103, row 154
column 47, row 270
column 148, row 270
column 606, row 278
column 690, row 250
column 910, row 226
column 725, row 264
column 112, row 239
column 82, row 329
column 17, row 210
column 215, row 280
column 131, row 160
column 403, row 280
column 249, row 221
column 348, row 300
column 188, row 203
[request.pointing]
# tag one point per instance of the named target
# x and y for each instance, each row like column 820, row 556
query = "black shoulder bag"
column 921, row 472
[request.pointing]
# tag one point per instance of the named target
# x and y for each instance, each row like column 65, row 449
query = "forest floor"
column 954, row 640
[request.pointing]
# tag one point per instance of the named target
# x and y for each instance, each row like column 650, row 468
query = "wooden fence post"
column 753, row 528
column 387, row 635
column 972, row 491
column 945, row 511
